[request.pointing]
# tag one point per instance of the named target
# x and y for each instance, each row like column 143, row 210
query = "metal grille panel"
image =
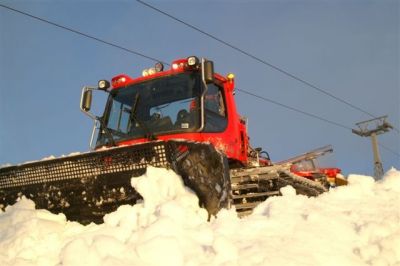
column 85, row 165
column 86, row 186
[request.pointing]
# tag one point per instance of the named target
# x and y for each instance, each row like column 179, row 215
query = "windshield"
column 165, row 105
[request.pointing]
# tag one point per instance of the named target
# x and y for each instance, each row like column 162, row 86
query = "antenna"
column 364, row 130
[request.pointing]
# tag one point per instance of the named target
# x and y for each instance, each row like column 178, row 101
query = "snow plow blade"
column 87, row 186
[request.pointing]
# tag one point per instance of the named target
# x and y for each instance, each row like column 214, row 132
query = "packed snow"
column 358, row 224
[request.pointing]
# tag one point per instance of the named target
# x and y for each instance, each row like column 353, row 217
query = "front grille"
column 85, row 165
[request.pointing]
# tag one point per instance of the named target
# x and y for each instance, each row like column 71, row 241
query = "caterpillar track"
column 251, row 186
column 87, row 186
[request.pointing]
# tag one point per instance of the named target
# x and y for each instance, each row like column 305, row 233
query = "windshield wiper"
column 132, row 118
column 107, row 132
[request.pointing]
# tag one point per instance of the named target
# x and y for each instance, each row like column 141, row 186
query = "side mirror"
column 208, row 71
column 86, row 101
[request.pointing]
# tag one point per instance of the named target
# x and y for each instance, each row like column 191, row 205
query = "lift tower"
column 364, row 130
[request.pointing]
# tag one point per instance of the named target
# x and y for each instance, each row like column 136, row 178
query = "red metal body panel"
column 307, row 174
column 130, row 80
column 331, row 172
column 311, row 174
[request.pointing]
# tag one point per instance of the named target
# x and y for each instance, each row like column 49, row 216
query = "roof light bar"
column 158, row 67
column 191, row 62
column 188, row 63
column 120, row 80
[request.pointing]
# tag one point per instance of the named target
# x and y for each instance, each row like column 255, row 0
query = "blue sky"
column 348, row 48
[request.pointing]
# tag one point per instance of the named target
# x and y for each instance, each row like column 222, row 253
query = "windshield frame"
column 198, row 93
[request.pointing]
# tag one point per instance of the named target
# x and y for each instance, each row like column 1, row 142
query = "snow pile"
column 354, row 225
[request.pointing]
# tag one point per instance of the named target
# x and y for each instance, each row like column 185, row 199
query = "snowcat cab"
column 187, row 102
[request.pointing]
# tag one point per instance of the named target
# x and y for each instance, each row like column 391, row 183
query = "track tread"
column 251, row 186
column 206, row 172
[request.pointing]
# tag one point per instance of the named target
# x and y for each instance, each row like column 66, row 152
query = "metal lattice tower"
column 364, row 130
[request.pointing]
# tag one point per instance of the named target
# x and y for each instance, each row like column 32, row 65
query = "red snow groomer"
column 182, row 118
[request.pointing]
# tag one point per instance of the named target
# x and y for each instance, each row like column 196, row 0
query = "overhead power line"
column 262, row 61
column 157, row 60
column 295, row 109
column 389, row 150
column 80, row 33
column 312, row 116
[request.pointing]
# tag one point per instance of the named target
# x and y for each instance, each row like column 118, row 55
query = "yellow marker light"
column 230, row 76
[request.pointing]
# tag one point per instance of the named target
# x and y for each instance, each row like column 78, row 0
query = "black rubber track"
column 206, row 172
column 87, row 186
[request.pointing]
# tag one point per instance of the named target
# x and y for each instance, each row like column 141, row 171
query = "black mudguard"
column 87, row 186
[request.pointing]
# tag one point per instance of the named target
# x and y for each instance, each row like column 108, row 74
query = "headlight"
column 151, row 71
column 103, row 84
column 192, row 61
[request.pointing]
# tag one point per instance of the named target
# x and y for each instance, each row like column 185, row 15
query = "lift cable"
column 389, row 150
column 294, row 109
column 157, row 60
column 80, row 33
column 310, row 115
column 279, row 69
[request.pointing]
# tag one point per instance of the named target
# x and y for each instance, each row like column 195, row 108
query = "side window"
column 215, row 110
column 214, row 100
column 119, row 117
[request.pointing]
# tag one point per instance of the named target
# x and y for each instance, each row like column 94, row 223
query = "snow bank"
column 354, row 225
